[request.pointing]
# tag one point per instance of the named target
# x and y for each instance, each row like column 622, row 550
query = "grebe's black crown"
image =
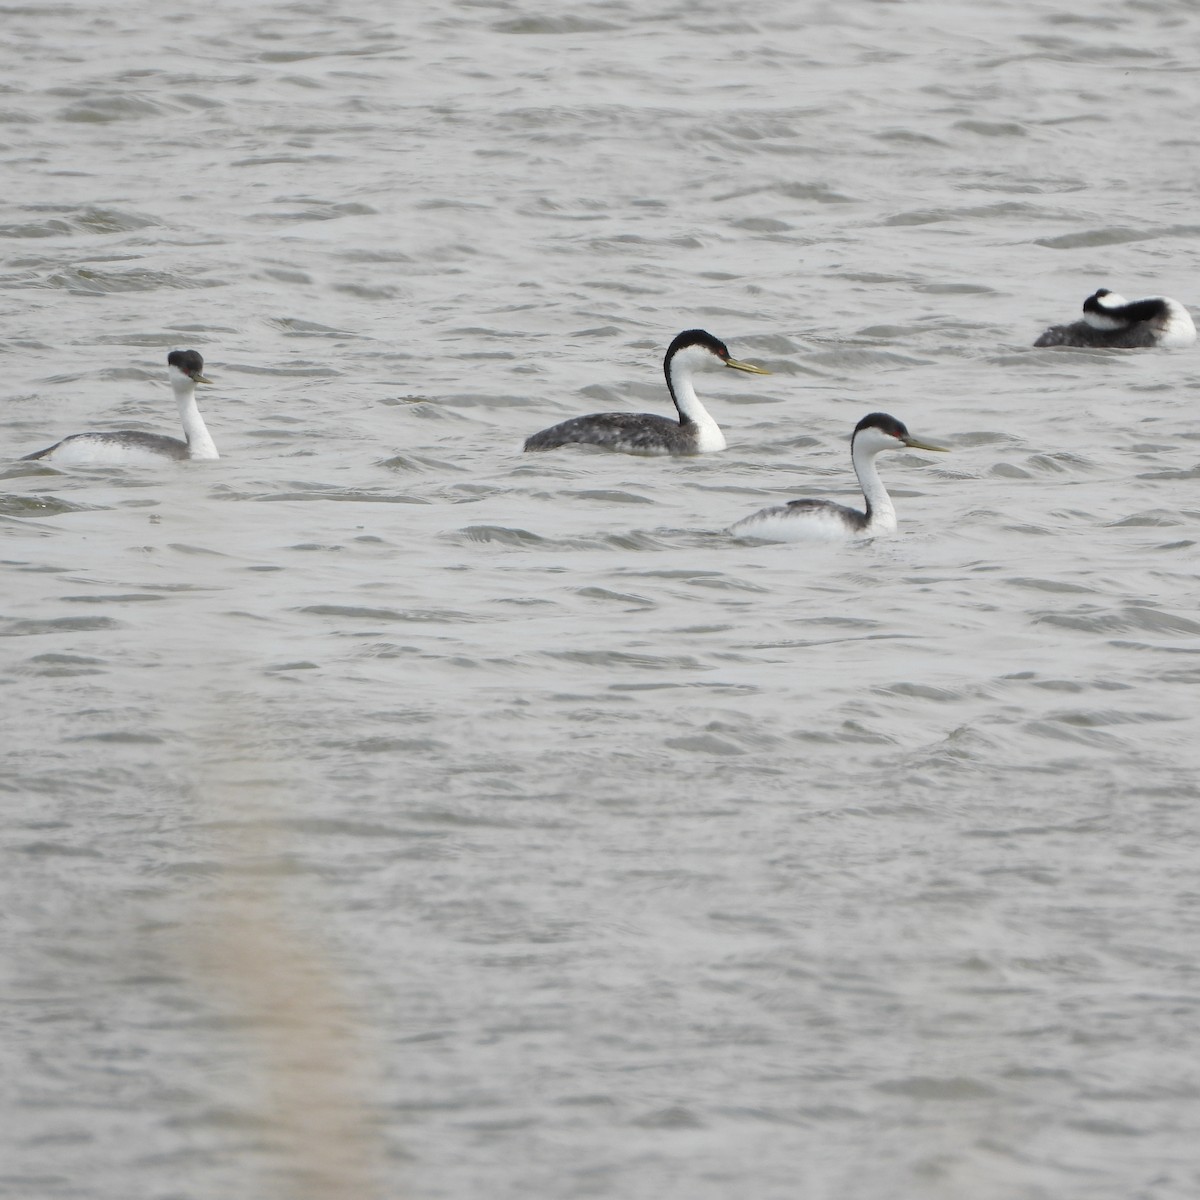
column 188, row 361
column 697, row 337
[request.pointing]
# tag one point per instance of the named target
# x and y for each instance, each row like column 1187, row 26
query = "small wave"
column 612, row 496
column 299, row 327
column 1057, row 586
column 993, row 129
column 925, row 1087
column 65, row 665
column 1131, row 617
column 623, row 658
column 356, row 612
column 1152, row 518
column 554, row 25
column 37, row 506
column 335, row 495
column 387, row 745
column 33, row 627
column 922, row 691
column 502, row 534
column 112, row 220
column 93, row 281
column 1109, row 236
column 126, row 598
column 859, row 357
column 102, row 110
column 705, row 743
column 120, row 737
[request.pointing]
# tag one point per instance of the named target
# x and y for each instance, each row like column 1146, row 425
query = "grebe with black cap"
column 1111, row 320
column 813, row 520
column 695, row 432
column 132, row 447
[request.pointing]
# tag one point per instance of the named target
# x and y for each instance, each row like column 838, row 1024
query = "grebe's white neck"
column 679, row 370
column 199, row 440
column 881, row 512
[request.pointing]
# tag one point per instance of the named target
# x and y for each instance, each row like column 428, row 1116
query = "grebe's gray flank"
column 811, row 520
column 695, row 432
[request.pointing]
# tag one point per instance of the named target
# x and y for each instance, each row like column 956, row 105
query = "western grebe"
column 645, row 433
column 131, row 447
column 1111, row 320
column 808, row 520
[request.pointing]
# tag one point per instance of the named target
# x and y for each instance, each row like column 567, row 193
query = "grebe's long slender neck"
column 687, row 403
column 199, row 440
column 881, row 512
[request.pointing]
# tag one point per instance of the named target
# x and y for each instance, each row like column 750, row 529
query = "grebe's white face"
column 875, row 441
column 697, row 358
column 701, row 358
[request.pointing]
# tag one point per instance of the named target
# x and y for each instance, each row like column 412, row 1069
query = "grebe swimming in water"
column 809, row 520
column 131, row 447
column 645, row 433
column 1111, row 320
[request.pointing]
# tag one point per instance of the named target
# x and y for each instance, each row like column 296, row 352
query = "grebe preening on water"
column 809, row 520
column 1111, row 320
column 645, row 433
column 131, row 447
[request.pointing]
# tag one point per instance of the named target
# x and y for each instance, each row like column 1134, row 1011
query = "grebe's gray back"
column 810, row 519
column 695, row 432
column 132, row 447
column 1111, row 320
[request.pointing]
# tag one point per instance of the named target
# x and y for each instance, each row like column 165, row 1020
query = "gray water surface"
column 387, row 813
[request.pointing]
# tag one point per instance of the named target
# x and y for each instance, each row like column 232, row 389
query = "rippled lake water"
column 388, row 813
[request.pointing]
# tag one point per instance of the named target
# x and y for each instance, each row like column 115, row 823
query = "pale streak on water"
column 381, row 803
